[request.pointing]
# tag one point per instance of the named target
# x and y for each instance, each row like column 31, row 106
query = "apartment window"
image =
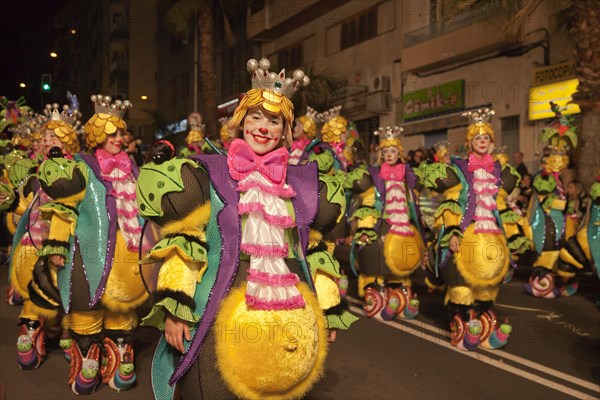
column 510, row 133
column 358, row 29
column 290, row 57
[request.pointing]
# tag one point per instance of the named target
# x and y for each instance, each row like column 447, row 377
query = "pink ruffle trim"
column 485, row 180
column 287, row 304
column 486, row 191
column 116, row 178
column 395, row 198
column 128, row 214
column 280, row 191
column 123, row 195
column 394, row 186
column 491, row 206
column 397, row 210
column 265, row 250
column 481, row 218
column 279, row 280
column 280, row 221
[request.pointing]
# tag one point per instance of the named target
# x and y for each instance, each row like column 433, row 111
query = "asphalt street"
column 553, row 353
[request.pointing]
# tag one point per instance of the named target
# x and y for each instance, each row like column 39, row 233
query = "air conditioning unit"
column 380, row 102
column 379, row 83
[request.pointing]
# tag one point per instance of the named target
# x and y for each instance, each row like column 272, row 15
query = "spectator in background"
column 519, row 165
column 417, row 157
column 525, row 192
column 130, row 144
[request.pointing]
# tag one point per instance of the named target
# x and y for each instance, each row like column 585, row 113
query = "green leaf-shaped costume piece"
column 429, row 173
column 353, row 176
column 159, row 178
column 188, row 250
column 54, row 169
column 21, row 170
column 335, row 192
column 323, row 261
column 544, row 185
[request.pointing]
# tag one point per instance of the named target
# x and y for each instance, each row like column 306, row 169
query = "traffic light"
column 46, row 82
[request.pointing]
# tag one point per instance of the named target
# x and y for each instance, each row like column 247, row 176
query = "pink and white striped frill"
column 485, row 186
column 270, row 285
column 396, row 209
column 123, row 190
column 37, row 228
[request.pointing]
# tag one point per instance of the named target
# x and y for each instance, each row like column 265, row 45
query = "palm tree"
column 323, row 90
column 582, row 22
column 182, row 17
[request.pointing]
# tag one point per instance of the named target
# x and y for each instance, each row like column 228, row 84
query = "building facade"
column 407, row 63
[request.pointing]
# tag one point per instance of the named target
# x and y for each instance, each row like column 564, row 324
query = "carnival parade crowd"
column 264, row 227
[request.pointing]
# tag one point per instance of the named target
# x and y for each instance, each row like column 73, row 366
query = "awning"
column 445, row 121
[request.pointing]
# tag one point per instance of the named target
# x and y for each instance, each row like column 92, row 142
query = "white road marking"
column 494, row 362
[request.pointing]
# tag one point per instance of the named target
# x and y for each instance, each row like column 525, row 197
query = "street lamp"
column 144, row 97
column 53, row 55
column 22, row 85
column 73, row 31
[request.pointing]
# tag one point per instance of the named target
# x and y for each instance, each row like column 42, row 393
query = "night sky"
column 26, row 28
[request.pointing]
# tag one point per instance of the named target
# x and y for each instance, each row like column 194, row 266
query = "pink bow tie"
column 109, row 162
column 242, row 161
column 486, row 162
column 393, row 172
column 300, row 144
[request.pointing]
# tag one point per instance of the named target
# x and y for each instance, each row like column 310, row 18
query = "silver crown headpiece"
column 68, row 115
column 195, row 122
column 481, row 116
column 442, row 144
column 311, row 113
column 389, row 132
column 500, row 150
column 224, row 121
column 103, row 105
column 31, row 122
column 330, row 114
column 277, row 83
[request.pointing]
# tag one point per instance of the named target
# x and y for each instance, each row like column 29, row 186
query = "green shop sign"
column 440, row 99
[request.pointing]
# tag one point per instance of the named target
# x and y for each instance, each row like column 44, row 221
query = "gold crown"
column 441, row 145
column 389, row 133
column 479, row 117
column 103, row 105
column 69, row 115
column 264, row 80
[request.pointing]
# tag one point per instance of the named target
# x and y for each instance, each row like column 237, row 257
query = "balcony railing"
column 465, row 18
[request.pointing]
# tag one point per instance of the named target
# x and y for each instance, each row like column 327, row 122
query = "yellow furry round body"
column 482, row 259
column 403, row 253
column 270, row 354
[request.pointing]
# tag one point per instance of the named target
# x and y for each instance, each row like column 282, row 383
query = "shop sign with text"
column 435, row 100
column 560, row 93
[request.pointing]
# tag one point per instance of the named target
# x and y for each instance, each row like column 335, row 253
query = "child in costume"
column 472, row 255
column 234, row 291
column 224, row 135
column 388, row 240
column 515, row 225
column 576, row 207
column 32, row 232
column 581, row 253
column 196, row 138
column 305, row 132
column 92, row 248
column 546, row 211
